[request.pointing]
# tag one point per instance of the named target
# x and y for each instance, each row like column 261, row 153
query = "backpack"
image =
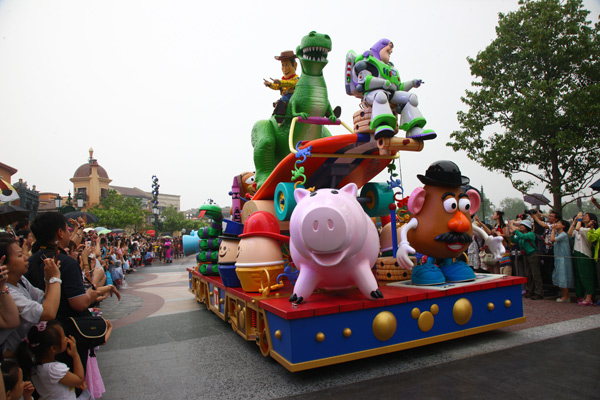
column 351, row 81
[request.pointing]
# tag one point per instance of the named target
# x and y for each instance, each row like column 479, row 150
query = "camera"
column 531, row 212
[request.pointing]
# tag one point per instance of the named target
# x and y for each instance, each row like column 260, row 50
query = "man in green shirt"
column 522, row 234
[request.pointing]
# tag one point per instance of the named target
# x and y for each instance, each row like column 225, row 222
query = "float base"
column 332, row 327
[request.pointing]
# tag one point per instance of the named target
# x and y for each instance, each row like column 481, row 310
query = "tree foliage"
column 512, row 207
column 538, row 86
column 572, row 209
column 117, row 211
column 515, row 206
column 175, row 221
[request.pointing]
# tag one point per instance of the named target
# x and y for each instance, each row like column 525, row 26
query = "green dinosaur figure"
column 270, row 139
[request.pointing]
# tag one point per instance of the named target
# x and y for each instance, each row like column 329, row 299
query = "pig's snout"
column 324, row 230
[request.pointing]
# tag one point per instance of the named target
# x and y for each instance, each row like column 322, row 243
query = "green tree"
column 538, row 84
column 195, row 224
column 175, row 221
column 512, row 207
column 116, row 211
column 572, row 209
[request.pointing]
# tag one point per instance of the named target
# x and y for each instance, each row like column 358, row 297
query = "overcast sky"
column 173, row 88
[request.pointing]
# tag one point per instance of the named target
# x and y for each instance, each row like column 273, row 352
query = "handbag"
column 506, row 270
column 488, row 259
column 89, row 331
column 95, row 384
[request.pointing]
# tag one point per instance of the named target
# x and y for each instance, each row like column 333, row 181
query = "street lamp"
column 58, row 203
column 80, row 200
column 156, row 212
column 155, row 209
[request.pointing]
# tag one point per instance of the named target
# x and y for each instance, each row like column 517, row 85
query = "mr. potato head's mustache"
column 454, row 237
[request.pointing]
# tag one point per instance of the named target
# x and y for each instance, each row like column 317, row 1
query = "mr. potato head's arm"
column 416, row 200
column 480, row 232
column 493, row 243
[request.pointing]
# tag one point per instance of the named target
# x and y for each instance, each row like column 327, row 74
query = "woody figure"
column 285, row 85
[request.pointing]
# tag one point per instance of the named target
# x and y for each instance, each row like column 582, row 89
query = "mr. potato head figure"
column 441, row 227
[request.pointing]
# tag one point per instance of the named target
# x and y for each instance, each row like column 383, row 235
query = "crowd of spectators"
column 51, row 270
column 549, row 251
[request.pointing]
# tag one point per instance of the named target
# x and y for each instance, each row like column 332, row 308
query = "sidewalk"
column 167, row 345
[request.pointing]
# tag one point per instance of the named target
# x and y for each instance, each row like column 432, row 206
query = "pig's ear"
column 475, row 201
column 350, row 188
column 299, row 194
column 416, row 200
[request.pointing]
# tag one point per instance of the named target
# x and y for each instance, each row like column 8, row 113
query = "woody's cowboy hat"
column 286, row 55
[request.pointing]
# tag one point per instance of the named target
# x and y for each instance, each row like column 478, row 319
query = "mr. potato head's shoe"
column 458, row 271
column 426, row 275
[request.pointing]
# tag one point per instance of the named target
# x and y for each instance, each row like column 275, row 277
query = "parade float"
column 301, row 268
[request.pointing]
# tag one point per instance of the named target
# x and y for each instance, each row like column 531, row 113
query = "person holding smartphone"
column 34, row 305
column 52, row 236
column 583, row 263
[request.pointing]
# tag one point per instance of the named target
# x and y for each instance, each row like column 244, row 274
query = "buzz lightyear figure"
column 372, row 77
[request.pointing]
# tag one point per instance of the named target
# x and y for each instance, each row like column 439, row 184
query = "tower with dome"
column 91, row 181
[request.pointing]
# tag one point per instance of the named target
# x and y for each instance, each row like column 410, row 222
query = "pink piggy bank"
column 333, row 243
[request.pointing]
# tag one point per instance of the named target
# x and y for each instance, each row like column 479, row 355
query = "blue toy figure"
column 372, row 77
column 228, row 247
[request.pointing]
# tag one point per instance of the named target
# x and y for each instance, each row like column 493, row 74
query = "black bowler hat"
column 443, row 173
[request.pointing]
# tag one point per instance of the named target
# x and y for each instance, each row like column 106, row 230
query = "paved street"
column 165, row 345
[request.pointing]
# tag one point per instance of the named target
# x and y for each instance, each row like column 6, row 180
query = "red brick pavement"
column 548, row 311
